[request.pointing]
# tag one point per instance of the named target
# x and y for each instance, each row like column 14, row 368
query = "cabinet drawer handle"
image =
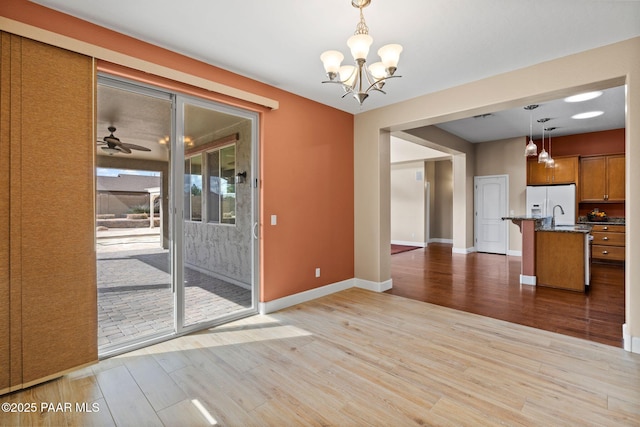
column 605, row 238
column 605, row 252
column 605, row 228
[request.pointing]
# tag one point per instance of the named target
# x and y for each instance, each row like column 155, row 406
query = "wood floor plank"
column 354, row 358
column 201, row 385
column 184, row 413
column 158, row 387
column 126, row 401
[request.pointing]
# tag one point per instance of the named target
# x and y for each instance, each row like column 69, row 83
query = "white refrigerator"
column 542, row 199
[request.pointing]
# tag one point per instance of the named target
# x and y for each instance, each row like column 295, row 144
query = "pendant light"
column 531, row 149
column 550, row 162
column 543, row 156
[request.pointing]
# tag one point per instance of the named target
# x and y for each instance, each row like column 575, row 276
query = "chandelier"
column 359, row 80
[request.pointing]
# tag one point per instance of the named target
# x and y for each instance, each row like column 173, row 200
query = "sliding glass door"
column 135, row 292
column 218, row 200
column 176, row 212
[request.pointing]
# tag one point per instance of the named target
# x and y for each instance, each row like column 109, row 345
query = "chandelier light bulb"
column 348, row 74
column 378, row 70
column 390, row 55
column 359, row 45
column 331, row 59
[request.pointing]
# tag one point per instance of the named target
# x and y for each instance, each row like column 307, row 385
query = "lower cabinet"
column 608, row 242
column 562, row 260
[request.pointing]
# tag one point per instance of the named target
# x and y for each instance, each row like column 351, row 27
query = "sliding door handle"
column 255, row 229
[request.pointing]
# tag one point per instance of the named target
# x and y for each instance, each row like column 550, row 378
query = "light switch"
column 274, row 219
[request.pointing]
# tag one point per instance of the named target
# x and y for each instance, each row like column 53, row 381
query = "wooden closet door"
column 52, row 210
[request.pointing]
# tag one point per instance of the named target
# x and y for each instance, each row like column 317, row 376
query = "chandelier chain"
column 361, row 28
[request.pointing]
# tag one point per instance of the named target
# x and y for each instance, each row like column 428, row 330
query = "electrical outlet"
column 274, row 219
column 318, row 272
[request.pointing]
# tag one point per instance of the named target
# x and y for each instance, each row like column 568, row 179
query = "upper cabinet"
column 565, row 172
column 602, row 178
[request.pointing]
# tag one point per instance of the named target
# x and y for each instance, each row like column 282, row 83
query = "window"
column 193, row 188
column 219, row 178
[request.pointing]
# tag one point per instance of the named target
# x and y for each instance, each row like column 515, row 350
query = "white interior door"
column 490, row 206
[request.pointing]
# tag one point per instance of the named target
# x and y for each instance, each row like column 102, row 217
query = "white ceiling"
column 446, row 42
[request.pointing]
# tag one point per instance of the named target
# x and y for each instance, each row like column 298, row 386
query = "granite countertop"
column 610, row 221
column 578, row 228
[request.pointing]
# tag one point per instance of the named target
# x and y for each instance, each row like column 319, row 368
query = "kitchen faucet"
column 553, row 219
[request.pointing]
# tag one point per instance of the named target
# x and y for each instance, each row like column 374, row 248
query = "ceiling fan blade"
column 122, row 148
column 134, row 146
column 112, row 139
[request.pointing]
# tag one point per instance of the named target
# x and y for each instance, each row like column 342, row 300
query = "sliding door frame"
column 176, row 207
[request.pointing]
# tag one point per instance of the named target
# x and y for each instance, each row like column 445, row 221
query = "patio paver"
column 134, row 290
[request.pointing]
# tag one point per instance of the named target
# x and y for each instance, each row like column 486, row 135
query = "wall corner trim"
column 631, row 343
column 464, row 251
column 74, row 45
column 374, row 286
column 528, row 280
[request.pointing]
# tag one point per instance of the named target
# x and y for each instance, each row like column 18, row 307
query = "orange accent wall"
column 306, row 155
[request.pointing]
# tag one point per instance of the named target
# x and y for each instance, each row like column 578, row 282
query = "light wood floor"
column 351, row 359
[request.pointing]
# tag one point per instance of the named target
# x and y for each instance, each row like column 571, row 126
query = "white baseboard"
column 528, row 280
column 631, row 343
column 374, row 286
column 514, row 253
column 463, row 251
column 436, row 240
column 291, row 300
column 408, row 243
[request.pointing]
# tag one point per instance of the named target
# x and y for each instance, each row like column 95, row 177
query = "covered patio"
column 135, row 299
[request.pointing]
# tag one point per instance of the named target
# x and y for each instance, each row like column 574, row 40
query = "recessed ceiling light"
column 583, row 96
column 587, row 115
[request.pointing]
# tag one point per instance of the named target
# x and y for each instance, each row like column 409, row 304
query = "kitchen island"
column 563, row 257
column 554, row 256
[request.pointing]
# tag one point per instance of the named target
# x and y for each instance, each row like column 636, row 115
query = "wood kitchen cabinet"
column 565, row 171
column 608, row 242
column 602, row 178
column 561, row 260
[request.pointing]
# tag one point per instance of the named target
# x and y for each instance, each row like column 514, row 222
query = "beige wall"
column 505, row 157
column 599, row 68
column 463, row 167
column 442, row 205
column 408, row 203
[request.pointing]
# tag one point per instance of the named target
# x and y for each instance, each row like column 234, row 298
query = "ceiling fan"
column 114, row 145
